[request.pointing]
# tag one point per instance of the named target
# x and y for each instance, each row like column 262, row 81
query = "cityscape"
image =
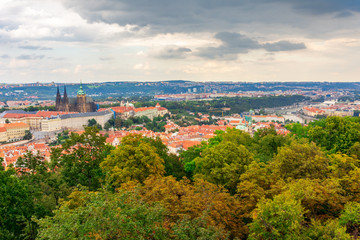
column 182, row 120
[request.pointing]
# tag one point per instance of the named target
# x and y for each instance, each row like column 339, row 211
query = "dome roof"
column 81, row 91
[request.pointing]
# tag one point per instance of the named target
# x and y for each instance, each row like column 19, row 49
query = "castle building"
column 81, row 103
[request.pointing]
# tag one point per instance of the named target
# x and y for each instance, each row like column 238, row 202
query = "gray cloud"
column 30, row 57
column 344, row 14
column 204, row 15
column 235, row 43
column 31, row 47
column 324, row 6
column 173, row 53
column 283, row 46
column 4, row 56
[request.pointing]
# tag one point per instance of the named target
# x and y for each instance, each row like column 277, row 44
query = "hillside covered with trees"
column 301, row 186
column 234, row 104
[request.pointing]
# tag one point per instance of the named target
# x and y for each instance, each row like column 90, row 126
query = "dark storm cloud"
column 30, row 57
column 235, row 43
column 205, row 15
column 173, row 53
column 30, row 47
column 324, row 6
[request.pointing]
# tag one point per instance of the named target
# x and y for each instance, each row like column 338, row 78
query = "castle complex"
column 81, row 103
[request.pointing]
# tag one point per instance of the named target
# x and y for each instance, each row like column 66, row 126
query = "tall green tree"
column 79, row 158
column 16, row 205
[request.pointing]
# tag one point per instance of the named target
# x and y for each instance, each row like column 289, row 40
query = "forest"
column 304, row 185
column 234, row 104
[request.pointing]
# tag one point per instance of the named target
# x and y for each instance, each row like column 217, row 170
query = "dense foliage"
column 236, row 186
column 235, row 104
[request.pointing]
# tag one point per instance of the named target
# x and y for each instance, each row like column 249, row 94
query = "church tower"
column 66, row 107
column 58, row 100
column 81, row 103
column 81, row 100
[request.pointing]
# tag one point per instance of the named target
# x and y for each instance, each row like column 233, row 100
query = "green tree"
column 325, row 230
column 173, row 165
column 223, row 164
column 298, row 130
column 254, row 185
column 27, row 135
column 322, row 199
column 45, row 187
column 300, row 160
column 16, row 205
column 350, row 218
column 268, row 142
column 92, row 122
column 102, row 215
column 123, row 215
column 341, row 164
column 335, row 134
column 30, row 164
column 80, row 156
column 280, row 218
column 134, row 160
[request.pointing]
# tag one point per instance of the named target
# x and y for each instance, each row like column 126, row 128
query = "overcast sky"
column 201, row 40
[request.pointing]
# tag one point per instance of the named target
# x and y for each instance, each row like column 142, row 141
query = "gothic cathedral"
column 81, row 103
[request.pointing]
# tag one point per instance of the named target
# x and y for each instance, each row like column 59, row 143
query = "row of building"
column 332, row 108
column 10, row 132
column 127, row 110
column 48, row 121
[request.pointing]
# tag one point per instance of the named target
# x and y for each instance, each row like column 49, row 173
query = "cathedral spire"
column 58, row 99
column 58, row 96
column 81, row 91
column 65, row 101
column 65, row 95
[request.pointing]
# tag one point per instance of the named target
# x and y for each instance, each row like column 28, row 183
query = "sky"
column 199, row 40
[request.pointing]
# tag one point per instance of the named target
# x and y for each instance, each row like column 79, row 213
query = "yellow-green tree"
column 223, row 164
column 322, row 199
column 134, row 160
column 300, row 160
column 280, row 218
column 254, row 185
column 350, row 218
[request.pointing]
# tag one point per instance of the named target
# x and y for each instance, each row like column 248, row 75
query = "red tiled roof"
column 50, row 113
column 144, row 109
column 14, row 125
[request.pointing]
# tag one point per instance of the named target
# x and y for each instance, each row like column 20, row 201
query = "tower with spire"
column 81, row 100
column 58, row 97
column 81, row 103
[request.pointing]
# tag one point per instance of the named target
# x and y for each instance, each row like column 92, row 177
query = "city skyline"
column 109, row 40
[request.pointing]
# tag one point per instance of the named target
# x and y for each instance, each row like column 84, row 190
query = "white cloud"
column 142, row 66
column 109, row 40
